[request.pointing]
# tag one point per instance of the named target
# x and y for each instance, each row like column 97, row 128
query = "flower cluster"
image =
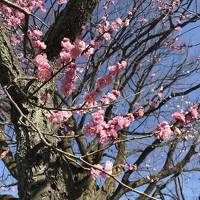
column 72, row 51
column 103, row 81
column 110, row 97
column 68, row 83
column 166, row 6
column 164, row 130
column 14, row 17
column 59, row 116
column 184, row 119
column 61, row 1
column 180, row 117
column 106, row 80
column 113, row 70
column 107, row 131
column 108, row 28
column 91, row 96
column 35, row 36
column 103, row 171
column 44, row 69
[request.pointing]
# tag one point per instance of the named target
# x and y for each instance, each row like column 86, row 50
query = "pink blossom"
column 95, row 173
column 123, row 64
column 130, row 117
column 91, row 96
column 44, row 69
column 110, row 97
column 46, row 98
column 75, row 52
column 59, row 116
column 113, row 70
column 35, row 37
column 126, row 22
column 4, row 153
column 79, row 46
column 104, row 81
column 107, row 36
column 120, row 122
column 88, row 52
column 194, row 112
column 98, row 117
column 37, row 33
column 108, row 169
column 112, row 132
column 67, row 45
column 177, row 131
column 61, row 1
column 164, row 131
column 119, row 21
column 68, row 83
column 96, row 43
column 40, row 45
column 140, row 112
column 179, row 117
column 65, row 57
column 40, row 4
column 90, row 130
column 131, row 167
column 103, row 136
column 99, row 28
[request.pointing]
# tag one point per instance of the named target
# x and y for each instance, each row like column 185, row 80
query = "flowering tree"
column 96, row 98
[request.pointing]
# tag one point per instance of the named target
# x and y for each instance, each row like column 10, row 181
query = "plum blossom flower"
column 98, row 117
column 131, row 166
column 68, row 83
column 179, row 117
column 44, row 69
column 40, row 45
column 110, row 97
column 67, row 45
column 177, row 131
column 140, row 112
column 113, row 70
column 61, row 1
column 194, row 112
column 98, row 170
column 126, row 22
column 91, row 96
column 96, row 43
column 4, row 153
column 35, row 36
column 103, row 136
column 59, row 116
column 95, row 173
column 164, row 131
column 104, row 81
column 108, row 169
column 107, row 131
column 107, row 36
column 65, row 57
